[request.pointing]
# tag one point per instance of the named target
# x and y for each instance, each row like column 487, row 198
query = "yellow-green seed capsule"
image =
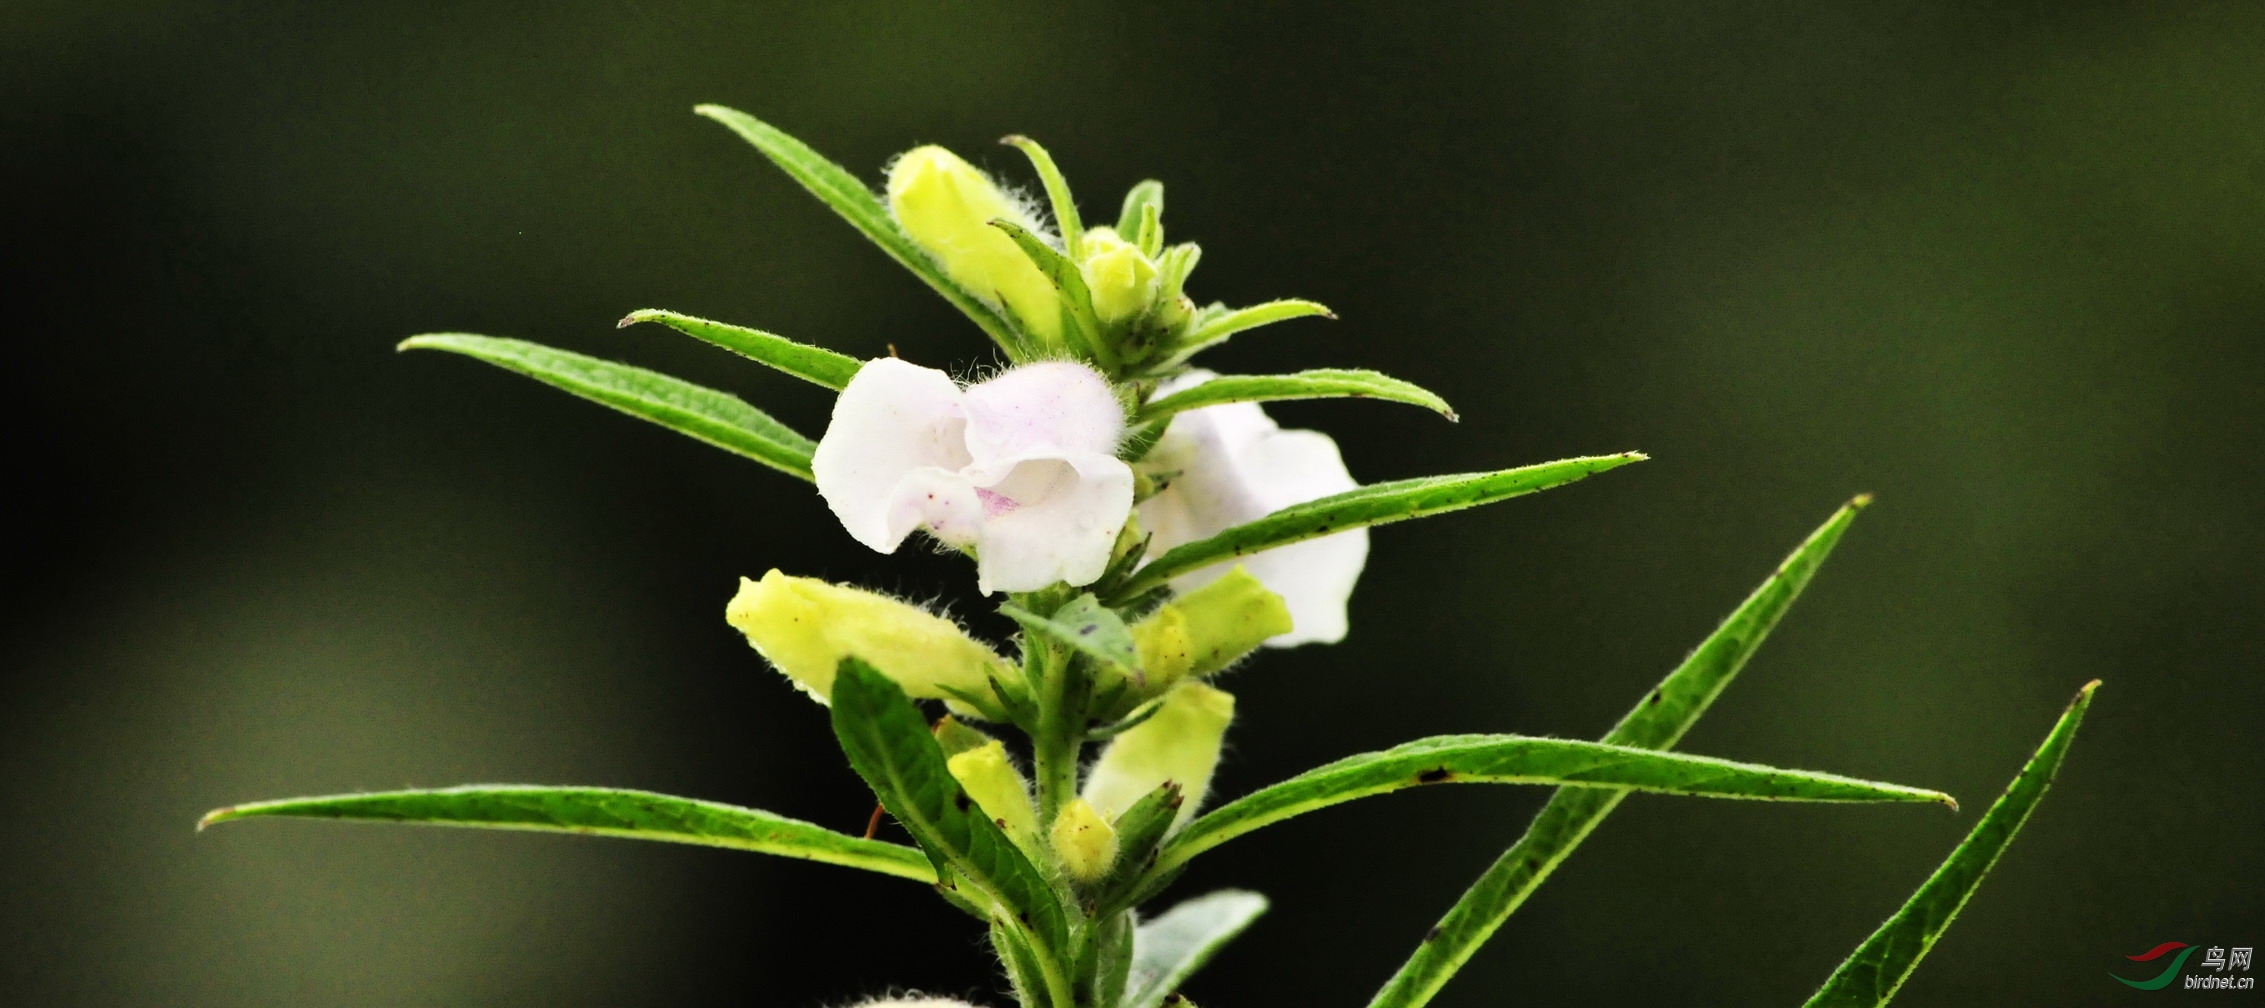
column 998, row 789
column 804, row 627
column 1085, row 841
column 1121, row 279
column 946, row 206
column 1179, row 743
column 1209, row 628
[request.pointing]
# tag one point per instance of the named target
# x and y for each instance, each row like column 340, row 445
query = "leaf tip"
column 215, row 816
column 1860, row 501
column 1014, row 140
column 640, row 315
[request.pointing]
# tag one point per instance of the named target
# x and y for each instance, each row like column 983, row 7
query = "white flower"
column 1235, row 465
column 1021, row 467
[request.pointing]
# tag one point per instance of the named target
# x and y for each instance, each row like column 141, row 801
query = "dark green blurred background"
column 2003, row 265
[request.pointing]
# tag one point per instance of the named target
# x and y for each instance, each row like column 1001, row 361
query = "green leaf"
column 816, row 365
column 1086, row 626
column 1657, row 722
column 1379, row 504
column 1320, row 383
column 1057, row 191
column 1024, row 974
column 1141, row 827
column 1084, row 328
column 1872, row 974
column 1517, row 759
column 1219, row 328
column 1113, row 958
column 889, row 745
column 837, row 188
column 1169, row 949
column 719, row 418
column 1173, row 269
column 1141, row 830
column 1150, row 238
column 637, row 815
column 1147, row 193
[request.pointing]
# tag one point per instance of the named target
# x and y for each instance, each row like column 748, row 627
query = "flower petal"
column 893, row 420
column 1057, row 520
column 943, row 502
column 1236, row 465
column 1054, row 408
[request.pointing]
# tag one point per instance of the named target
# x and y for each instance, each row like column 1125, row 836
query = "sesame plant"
column 1147, row 528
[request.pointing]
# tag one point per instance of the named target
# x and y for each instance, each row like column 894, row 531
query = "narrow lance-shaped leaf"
column 719, row 418
column 1219, row 328
column 1656, row 722
column 1147, row 193
column 837, row 188
column 1077, row 301
column 1320, row 383
column 636, row 815
column 1169, row 949
column 1377, row 504
column 1150, row 238
column 889, row 745
column 1517, row 759
column 1057, row 191
column 1873, row 973
column 816, row 365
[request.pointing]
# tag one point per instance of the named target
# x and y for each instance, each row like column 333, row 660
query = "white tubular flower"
column 1021, row 467
column 1235, row 465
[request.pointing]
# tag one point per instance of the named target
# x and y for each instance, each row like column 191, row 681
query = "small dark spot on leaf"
column 960, row 800
column 1087, row 629
column 1433, row 934
column 1001, row 823
column 1654, row 701
column 1434, row 775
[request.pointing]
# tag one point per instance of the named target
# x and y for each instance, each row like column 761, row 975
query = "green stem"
column 1057, row 740
column 1061, row 733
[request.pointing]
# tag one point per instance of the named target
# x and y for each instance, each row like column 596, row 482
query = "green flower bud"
column 998, row 788
column 1179, row 743
column 946, row 206
column 1121, row 279
column 1207, row 629
column 804, row 627
column 1084, row 841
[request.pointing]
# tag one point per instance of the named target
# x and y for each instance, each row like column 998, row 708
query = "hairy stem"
column 1061, row 731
